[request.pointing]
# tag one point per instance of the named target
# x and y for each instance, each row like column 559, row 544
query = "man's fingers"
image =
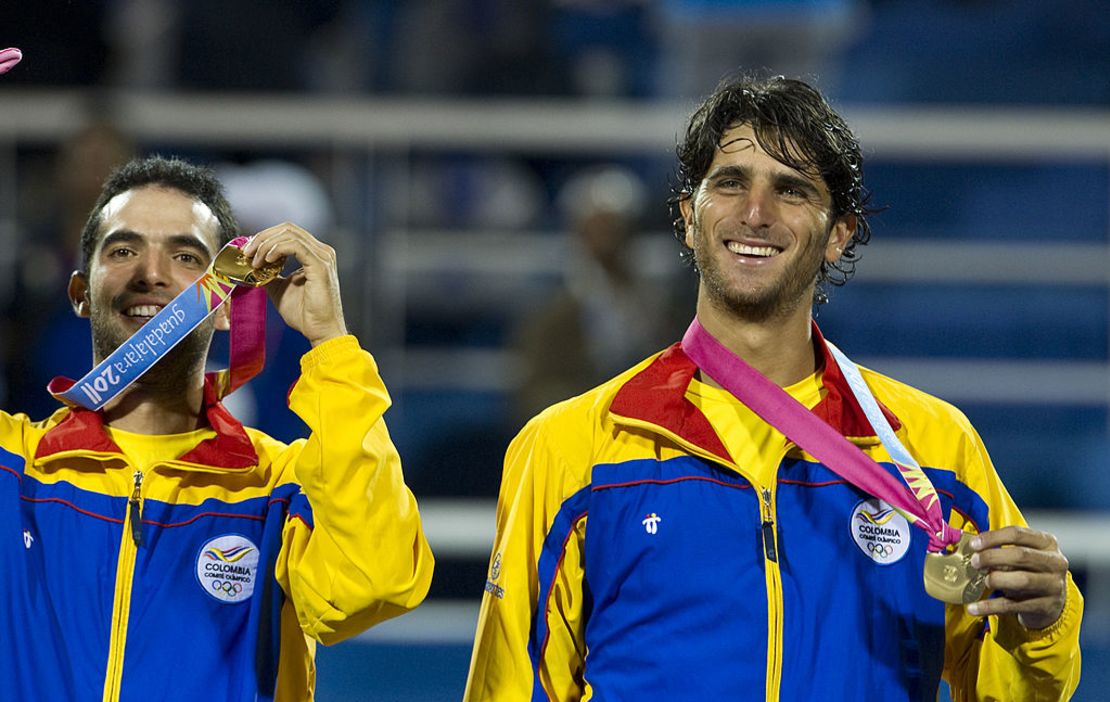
column 308, row 299
column 1020, row 558
column 1014, row 536
column 1006, row 605
column 287, row 239
column 1021, row 584
column 1025, row 566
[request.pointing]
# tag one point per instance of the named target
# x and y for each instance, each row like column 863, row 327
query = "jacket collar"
column 657, row 395
column 82, row 430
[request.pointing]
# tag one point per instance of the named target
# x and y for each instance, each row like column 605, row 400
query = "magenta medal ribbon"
column 8, row 58
column 915, row 498
column 173, row 323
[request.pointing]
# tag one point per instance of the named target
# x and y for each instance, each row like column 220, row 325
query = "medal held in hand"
column 233, row 265
column 950, row 577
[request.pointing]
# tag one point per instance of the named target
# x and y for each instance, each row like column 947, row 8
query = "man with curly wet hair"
column 660, row 538
column 794, row 125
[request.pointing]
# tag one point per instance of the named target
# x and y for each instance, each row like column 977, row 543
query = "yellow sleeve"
column 1008, row 661
column 537, row 555
column 364, row 559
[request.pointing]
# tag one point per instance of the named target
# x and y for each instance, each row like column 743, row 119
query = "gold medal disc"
column 951, row 578
column 233, row 265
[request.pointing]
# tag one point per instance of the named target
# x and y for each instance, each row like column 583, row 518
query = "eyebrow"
column 792, row 181
column 730, row 171
column 781, row 180
column 127, row 236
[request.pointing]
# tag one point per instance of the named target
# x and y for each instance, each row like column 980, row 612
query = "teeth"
column 746, row 250
column 142, row 310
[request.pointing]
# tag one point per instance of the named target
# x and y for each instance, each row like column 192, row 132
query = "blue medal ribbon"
column 158, row 336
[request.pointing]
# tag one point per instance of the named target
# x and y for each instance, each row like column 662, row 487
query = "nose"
column 152, row 271
column 758, row 207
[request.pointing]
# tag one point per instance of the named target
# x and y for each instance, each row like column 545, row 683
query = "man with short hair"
column 168, row 552
column 736, row 518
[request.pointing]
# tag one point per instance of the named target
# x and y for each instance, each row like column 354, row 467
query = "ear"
column 839, row 237
column 222, row 318
column 78, row 291
column 686, row 207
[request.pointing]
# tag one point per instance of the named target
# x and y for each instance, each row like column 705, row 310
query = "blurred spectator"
column 44, row 337
column 604, row 48
column 350, row 52
column 483, row 47
column 982, row 52
column 264, row 193
column 320, row 46
column 143, row 35
column 609, row 315
column 790, row 37
column 463, row 192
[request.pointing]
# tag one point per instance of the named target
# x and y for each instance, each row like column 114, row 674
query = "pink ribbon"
column 247, row 344
column 776, row 407
column 8, row 59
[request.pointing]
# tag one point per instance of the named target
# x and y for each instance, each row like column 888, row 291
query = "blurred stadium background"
column 432, row 142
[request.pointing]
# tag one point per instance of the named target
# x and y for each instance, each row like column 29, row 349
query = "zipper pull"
column 134, row 510
column 769, row 528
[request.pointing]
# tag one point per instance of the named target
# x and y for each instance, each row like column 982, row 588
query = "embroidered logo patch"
column 227, row 568
column 880, row 532
column 494, row 573
column 651, row 523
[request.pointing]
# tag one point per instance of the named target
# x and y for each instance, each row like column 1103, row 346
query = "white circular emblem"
column 880, row 532
column 227, row 567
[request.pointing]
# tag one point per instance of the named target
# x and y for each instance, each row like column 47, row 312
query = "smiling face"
column 759, row 230
column 153, row 243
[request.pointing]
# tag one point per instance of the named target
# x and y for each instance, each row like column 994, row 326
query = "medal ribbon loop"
column 916, row 499
column 173, row 323
column 8, row 58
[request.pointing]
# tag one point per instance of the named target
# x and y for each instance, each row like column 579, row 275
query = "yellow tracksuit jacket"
column 635, row 559
column 213, row 575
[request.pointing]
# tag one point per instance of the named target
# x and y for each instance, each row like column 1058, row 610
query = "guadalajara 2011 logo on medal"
column 227, row 568
column 881, row 533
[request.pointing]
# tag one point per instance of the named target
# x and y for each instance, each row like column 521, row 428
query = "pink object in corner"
column 8, row 59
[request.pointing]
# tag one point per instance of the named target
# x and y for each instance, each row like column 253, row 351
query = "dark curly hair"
column 195, row 181
column 795, row 125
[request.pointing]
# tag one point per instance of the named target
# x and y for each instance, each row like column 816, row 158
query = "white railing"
column 926, row 132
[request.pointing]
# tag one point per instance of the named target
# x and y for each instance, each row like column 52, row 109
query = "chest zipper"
column 121, row 603
column 769, row 528
column 135, row 510
column 774, row 598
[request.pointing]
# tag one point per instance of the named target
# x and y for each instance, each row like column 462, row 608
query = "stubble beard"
column 781, row 297
column 173, row 371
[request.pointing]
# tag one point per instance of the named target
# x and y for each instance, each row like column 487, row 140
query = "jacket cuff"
column 329, row 350
column 1010, row 634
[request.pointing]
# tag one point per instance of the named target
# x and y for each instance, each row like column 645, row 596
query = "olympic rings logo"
column 880, row 550
column 227, row 587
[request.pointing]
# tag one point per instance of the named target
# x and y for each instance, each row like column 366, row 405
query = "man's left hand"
column 1029, row 571
column 308, row 298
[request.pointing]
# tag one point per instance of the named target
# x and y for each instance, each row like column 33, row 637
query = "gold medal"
column 951, row 578
column 233, row 265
